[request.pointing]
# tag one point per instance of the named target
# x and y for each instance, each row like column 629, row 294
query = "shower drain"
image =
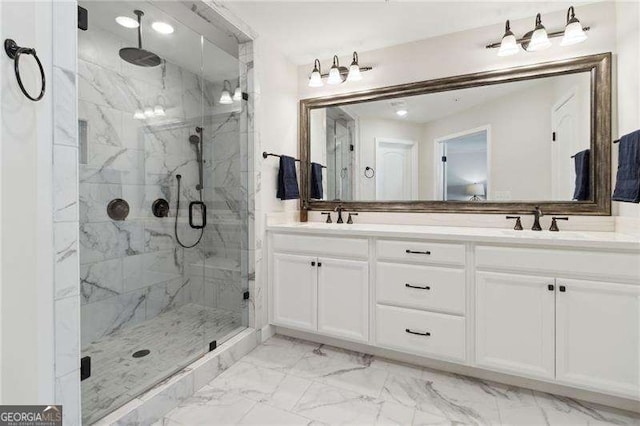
column 141, row 353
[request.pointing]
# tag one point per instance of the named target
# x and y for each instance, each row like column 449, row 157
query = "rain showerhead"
column 137, row 55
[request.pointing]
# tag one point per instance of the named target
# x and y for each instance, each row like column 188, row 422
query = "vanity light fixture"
column 538, row 38
column 316, row 75
column 139, row 115
column 127, row 22
column 225, row 96
column 158, row 111
column 573, row 32
column 237, row 94
column 162, row 27
column 337, row 74
column 354, row 69
column 508, row 45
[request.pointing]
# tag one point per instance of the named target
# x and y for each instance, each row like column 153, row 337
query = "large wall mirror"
column 498, row 141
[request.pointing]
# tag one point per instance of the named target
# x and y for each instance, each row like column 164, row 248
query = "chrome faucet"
column 537, row 214
column 339, row 209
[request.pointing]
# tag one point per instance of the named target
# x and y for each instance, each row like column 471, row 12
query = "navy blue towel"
column 316, row 181
column 628, row 177
column 583, row 174
column 287, row 179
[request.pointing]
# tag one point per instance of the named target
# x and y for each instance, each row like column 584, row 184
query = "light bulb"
column 159, row 111
column 402, row 112
column 148, row 112
column 127, row 22
column 237, row 94
column 573, row 34
column 225, row 97
column 139, row 115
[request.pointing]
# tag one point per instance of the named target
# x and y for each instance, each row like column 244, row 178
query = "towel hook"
column 14, row 51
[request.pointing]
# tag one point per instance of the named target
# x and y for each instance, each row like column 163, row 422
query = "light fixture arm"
column 355, row 59
column 507, row 28
column 317, row 66
column 521, row 40
column 571, row 14
column 226, row 84
column 539, row 22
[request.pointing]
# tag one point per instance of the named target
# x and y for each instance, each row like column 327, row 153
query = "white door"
column 564, row 120
column 396, row 170
column 515, row 323
column 598, row 336
column 343, row 298
column 294, row 287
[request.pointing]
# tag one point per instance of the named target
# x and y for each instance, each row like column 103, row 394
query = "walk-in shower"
column 167, row 283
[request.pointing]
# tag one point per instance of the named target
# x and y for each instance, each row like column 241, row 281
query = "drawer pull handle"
column 418, row 252
column 417, row 332
column 426, row 287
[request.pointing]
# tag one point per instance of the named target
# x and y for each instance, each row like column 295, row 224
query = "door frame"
column 414, row 162
column 439, row 177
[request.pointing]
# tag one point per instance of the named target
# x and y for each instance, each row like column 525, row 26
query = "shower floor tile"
column 174, row 338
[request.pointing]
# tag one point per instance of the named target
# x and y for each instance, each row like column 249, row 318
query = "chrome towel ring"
column 14, row 51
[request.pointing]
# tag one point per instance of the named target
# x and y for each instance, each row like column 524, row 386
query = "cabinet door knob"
column 551, row 287
column 319, row 264
column 562, row 288
column 417, row 333
column 426, row 287
column 313, row 263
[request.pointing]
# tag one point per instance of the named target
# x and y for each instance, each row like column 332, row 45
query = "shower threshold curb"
column 152, row 405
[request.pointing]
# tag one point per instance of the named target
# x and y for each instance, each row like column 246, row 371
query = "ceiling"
column 185, row 47
column 304, row 30
column 433, row 106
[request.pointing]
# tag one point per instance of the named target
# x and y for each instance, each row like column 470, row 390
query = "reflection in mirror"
column 512, row 141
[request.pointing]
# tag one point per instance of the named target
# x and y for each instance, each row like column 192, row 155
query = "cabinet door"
column 598, row 336
column 294, row 285
column 515, row 323
column 343, row 298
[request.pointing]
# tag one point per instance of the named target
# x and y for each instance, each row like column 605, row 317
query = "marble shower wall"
column 133, row 270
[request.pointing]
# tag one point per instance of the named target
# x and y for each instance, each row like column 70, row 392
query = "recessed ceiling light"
column 127, row 22
column 162, row 27
column 402, row 112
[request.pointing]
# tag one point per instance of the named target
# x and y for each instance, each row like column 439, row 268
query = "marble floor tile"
column 288, row 381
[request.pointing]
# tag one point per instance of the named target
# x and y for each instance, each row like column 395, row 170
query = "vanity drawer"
column 395, row 328
column 421, row 287
column 575, row 262
column 323, row 246
column 420, row 251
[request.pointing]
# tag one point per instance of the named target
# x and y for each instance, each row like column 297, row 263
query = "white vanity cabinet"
column 598, row 335
column 515, row 323
column 522, row 304
column 324, row 294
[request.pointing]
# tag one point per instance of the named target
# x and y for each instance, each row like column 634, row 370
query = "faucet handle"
column 518, row 226
column 350, row 220
column 328, row 217
column 554, row 223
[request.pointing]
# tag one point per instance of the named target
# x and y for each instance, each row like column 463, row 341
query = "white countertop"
column 575, row 239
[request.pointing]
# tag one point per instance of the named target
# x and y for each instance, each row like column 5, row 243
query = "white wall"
column 26, row 313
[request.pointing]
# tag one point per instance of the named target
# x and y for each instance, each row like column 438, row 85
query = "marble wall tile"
column 101, row 280
column 67, row 331
column 65, row 178
column 168, row 295
column 107, row 316
column 67, row 393
column 112, row 164
column 104, row 124
column 152, row 268
column 65, row 237
column 110, row 240
column 100, row 47
column 65, row 118
column 94, row 199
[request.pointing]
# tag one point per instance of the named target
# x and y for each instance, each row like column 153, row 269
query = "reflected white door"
column 396, row 170
column 565, row 144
